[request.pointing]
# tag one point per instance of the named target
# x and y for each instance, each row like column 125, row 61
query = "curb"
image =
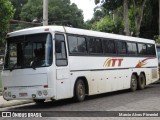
column 14, row 103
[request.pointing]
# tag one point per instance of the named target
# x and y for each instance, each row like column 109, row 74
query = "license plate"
column 23, row 94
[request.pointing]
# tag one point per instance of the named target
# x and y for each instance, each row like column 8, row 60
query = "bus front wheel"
column 79, row 92
column 133, row 85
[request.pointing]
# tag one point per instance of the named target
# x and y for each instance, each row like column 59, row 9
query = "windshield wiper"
column 13, row 67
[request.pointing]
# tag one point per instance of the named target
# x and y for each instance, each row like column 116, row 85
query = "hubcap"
column 80, row 90
column 133, row 83
column 142, row 81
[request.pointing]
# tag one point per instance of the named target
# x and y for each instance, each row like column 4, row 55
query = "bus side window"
column 60, row 48
column 77, row 44
column 142, row 49
column 151, row 49
column 121, row 47
column 95, row 45
column 109, row 46
column 132, row 48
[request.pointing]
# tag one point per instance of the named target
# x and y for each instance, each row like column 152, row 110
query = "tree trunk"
column 115, row 14
column 139, row 17
column 125, row 17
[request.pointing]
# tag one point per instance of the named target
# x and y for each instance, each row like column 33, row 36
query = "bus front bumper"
column 24, row 93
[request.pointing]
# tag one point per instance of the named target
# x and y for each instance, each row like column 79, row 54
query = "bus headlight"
column 9, row 94
column 5, row 94
column 39, row 93
column 45, row 92
column 33, row 96
column 13, row 96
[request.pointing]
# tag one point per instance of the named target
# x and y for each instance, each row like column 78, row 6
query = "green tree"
column 106, row 24
column 18, row 4
column 157, row 39
column 137, row 7
column 6, row 14
column 150, row 22
column 61, row 12
column 110, row 23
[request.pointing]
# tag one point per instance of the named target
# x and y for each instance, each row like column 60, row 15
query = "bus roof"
column 70, row 30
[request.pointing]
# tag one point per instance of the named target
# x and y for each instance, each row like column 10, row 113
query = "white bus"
column 56, row 62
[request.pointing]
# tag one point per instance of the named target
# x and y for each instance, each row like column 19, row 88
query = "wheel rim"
column 81, row 90
column 142, row 80
column 133, row 83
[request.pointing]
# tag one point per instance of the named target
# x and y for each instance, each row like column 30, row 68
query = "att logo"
column 113, row 62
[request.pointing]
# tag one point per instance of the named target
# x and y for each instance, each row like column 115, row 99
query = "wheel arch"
column 136, row 74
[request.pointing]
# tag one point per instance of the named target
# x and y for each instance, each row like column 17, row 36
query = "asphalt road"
column 140, row 100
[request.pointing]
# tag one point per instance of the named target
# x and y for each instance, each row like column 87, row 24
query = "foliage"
column 18, row 4
column 60, row 12
column 6, row 14
column 105, row 24
column 150, row 22
column 98, row 14
column 132, row 13
column 157, row 38
column 108, row 24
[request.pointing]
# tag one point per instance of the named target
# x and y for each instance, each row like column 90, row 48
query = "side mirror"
column 58, row 47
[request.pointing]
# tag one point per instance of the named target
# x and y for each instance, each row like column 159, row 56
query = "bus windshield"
column 29, row 51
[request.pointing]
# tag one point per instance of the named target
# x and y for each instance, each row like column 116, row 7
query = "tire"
column 39, row 101
column 79, row 91
column 141, row 82
column 133, row 85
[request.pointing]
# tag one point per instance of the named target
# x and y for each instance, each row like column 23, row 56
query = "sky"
column 87, row 6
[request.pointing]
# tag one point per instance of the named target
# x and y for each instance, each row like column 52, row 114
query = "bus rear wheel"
column 79, row 92
column 141, row 81
column 133, row 85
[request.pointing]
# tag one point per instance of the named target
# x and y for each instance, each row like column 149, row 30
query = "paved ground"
column 4, row 103
column 141, row 100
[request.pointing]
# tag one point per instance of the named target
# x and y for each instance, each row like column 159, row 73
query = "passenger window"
column 77, row 44
column 142, row 49
column 151, row 49
column 95, row 45
column 132, row 48
column 109, row 46
column 121, row 47
column 60, row 48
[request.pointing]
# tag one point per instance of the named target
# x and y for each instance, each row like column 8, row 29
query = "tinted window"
column 108, row 46
column 142, row 49
column 132, row 48
column 151, row 49
column 77, row 44
column 29, row 51
column 61, row 57
column 95, row 45
column 121, row 47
